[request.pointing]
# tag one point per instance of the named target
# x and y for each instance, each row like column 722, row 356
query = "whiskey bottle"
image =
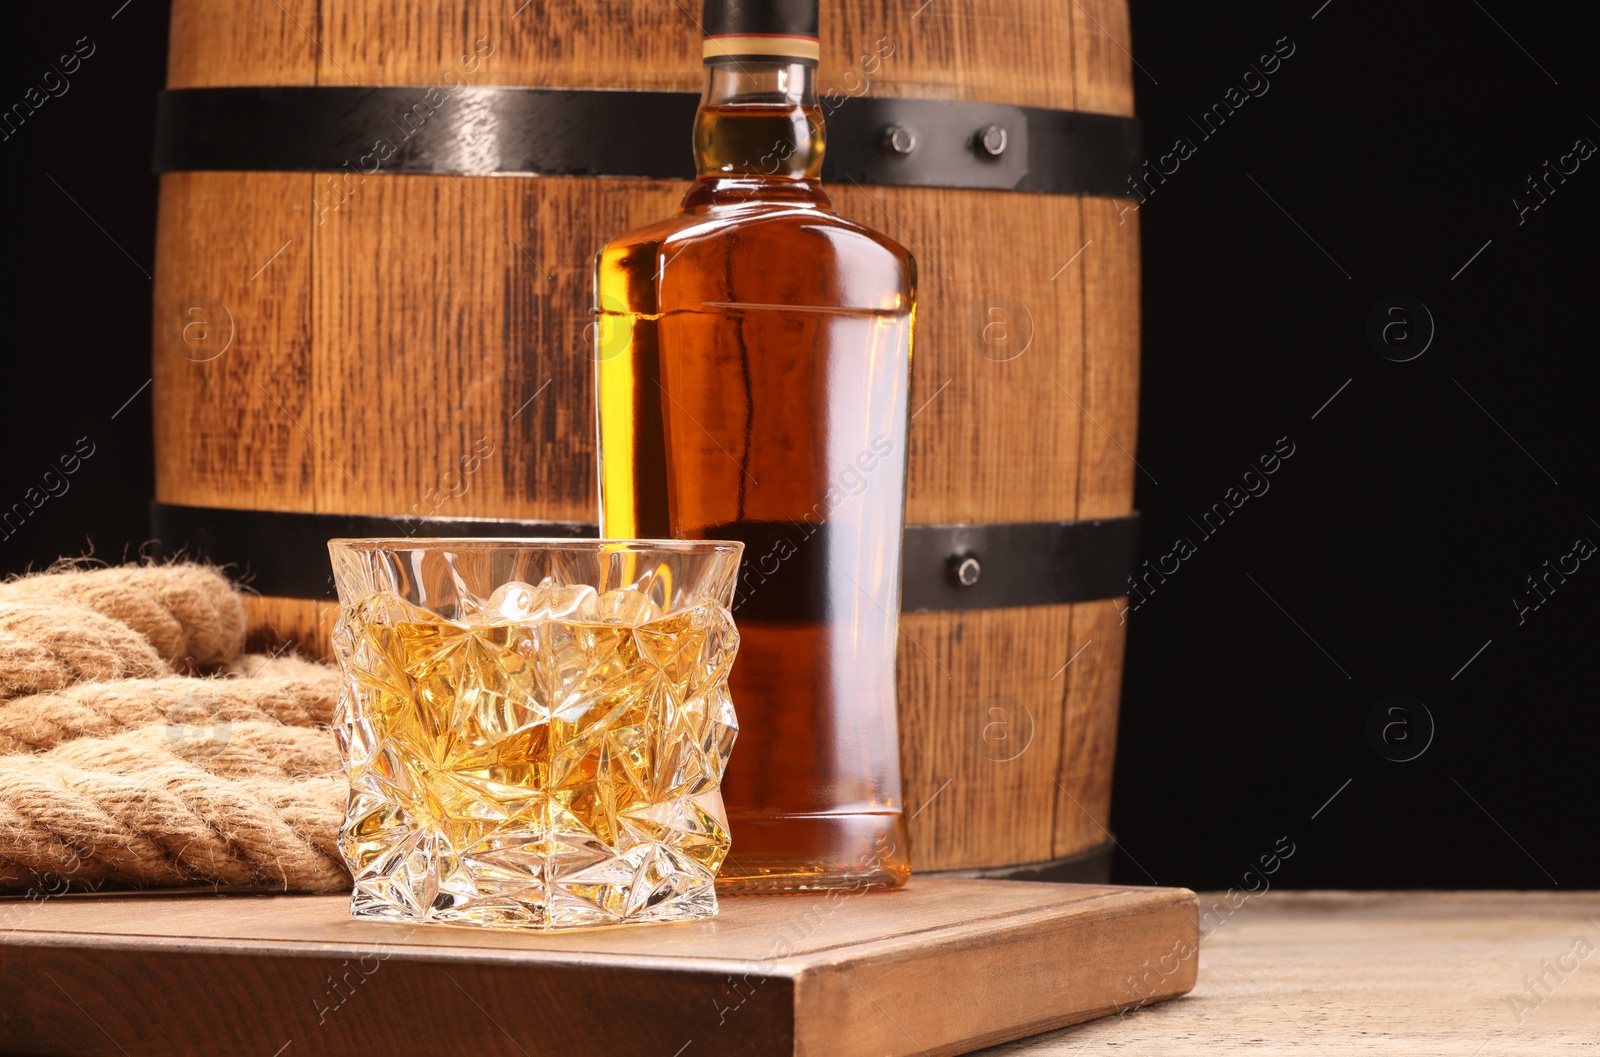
column 752, row 367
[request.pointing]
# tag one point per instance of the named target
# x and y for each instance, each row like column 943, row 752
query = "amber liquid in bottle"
column 753, row 358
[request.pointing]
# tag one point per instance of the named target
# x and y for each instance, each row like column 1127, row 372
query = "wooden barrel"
column 403, row 333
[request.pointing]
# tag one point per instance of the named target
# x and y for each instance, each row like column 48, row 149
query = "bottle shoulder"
column 750, row 219
column 778, row 252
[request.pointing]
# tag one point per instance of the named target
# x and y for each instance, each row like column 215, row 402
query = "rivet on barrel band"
column 992, row 140
column 899, row 139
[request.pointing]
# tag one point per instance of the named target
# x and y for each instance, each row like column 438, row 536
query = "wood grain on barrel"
column 981, row 735
column 1102, row 68
column 1019, row 52
column 233, row 417
column 992, row 438
column 451, row 320
column 1107, row 398
column 301, row 624
column 1088, row 698
column 557, row 43
column 1108, row 392
column 228, row 42
column 413, row 321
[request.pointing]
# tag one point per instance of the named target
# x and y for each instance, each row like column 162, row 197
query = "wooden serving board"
column 944, row 966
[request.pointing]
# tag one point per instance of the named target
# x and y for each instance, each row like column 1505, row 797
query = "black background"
column 1384, row 156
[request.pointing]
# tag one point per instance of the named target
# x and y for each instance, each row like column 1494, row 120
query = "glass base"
column 811, row 853
column 533, row 912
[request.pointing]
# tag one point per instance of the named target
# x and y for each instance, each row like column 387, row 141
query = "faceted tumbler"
column 535, row 730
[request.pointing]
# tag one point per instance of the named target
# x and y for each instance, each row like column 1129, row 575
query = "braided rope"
column 118, row 766
column 289, row 690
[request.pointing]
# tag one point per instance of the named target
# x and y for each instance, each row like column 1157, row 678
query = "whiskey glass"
column 535, row 730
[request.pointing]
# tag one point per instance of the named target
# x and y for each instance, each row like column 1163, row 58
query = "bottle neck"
column 761, row 120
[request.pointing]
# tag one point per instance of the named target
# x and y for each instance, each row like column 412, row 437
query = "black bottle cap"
column 760, row 31
column 794, row 18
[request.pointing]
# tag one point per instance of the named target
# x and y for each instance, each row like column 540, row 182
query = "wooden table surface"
column 1329, row 974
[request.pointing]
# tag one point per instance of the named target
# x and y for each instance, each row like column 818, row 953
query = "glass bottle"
column 753, row 355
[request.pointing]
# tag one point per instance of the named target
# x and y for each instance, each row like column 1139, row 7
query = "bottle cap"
column 760, row 31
